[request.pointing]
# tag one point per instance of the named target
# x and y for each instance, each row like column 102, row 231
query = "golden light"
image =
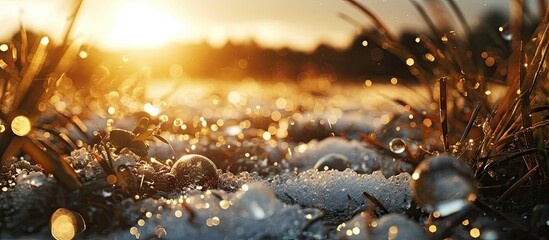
column 349, row 232
column 150, row 109
column 224, row 204
column 139, row 24
column 234, row 97
column 393, row 232
column 4, row 47
column 178, row 213
column 490, row 61
column 410, row 61
column 44, row 41
column 444, row 39
column 141, row 222
column 21, row 125
column 266, row 135
column 430, row 57
column 65, row 224
column 83, row 54
column 475, row 232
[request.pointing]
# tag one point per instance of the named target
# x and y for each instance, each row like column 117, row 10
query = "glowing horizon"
column 301, row 25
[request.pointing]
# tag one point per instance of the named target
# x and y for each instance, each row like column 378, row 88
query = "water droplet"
column 397, row 145
column 195, row 170
column 444, row 184
column 505, row 32
column 540, row 219
column 65, row 224
column 390, row 226
column 332, row 161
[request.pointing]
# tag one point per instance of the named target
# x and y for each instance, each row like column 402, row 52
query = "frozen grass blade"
column 50, row 161
column 77, row 122
column 59, row 136
column 35, row 66
column 528, row 136
column 444, row 113
column 470, row 124
column 376, row 202
column 496, row 214
column 517, row 184
column 106, row 167
column 509, row 157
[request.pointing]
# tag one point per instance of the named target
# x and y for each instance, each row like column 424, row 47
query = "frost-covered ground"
column 271, row 163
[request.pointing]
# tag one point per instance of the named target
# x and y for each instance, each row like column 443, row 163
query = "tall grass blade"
column 51, row 163
column 35, row 66
column 377, row 22
column 517, row 184
column 470, row 123
column 443, row 106
column 426, row 18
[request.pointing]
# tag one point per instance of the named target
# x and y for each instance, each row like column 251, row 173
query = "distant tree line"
column 362, row 59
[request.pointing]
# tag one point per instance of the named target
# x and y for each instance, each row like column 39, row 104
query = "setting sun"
column 143, row 25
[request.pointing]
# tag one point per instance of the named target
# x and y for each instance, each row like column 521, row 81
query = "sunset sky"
column 299, row 24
